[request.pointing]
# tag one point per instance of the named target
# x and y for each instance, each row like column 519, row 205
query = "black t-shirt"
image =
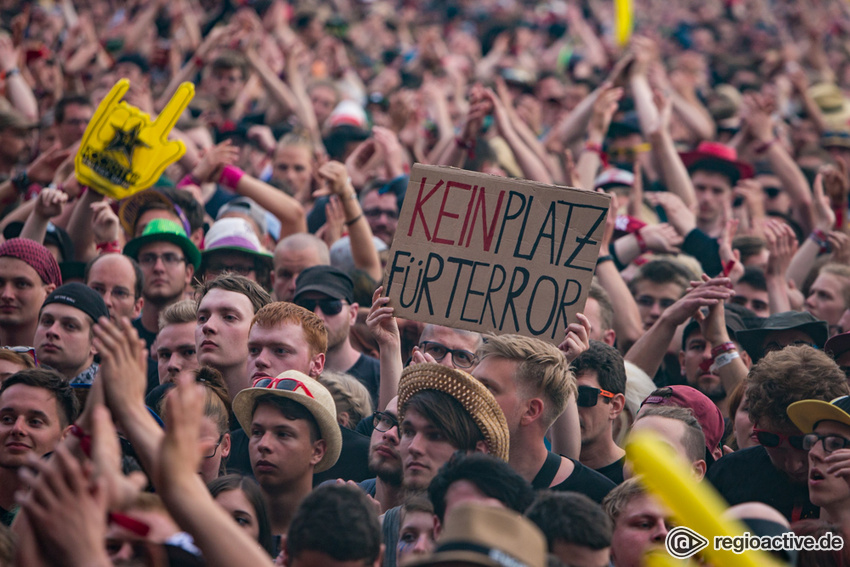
column 749, row 476
column 583, row 479
column 614, row 471
column 6, row 517
column 144, row 334
column 353, row 463
column 368, row 371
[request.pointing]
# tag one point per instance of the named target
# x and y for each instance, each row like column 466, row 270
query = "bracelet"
column 85, row 439
column 230, row 176
column 721, row 348
column 108, row 247
column 468, row 145
column 820, row 238
column 354, row 220
column 761, row 148
column 605, row 258
column 641, row 242
column 597, row 149
column 188, row 179
column 724, row 359
column 10, row 73
column 197, row 61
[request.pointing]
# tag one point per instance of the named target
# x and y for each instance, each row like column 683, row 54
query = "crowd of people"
column 208, row 372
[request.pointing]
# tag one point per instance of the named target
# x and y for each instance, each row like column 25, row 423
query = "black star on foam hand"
column 126, row 141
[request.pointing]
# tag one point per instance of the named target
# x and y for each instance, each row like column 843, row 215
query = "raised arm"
column 381, row 321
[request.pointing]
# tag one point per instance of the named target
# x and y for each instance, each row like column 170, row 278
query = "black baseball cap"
column 328, row 280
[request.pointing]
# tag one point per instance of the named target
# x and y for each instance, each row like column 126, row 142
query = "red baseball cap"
column 707, row 414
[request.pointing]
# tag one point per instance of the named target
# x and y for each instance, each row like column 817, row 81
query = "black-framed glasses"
column 772, row 440
column 215, row 448
column 461, row 358
column 169, row 259
column 829, row 442
column 588, row 396
column 383, row 421
column 329, row 307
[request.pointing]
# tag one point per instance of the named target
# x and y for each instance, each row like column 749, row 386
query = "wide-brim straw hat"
column 319, row 403
column 475, row 398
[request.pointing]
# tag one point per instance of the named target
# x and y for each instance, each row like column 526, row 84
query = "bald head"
column 292, row 255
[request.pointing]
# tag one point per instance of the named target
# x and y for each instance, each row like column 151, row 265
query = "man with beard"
column 699, row 364
column 329, row 293
column 384, row 459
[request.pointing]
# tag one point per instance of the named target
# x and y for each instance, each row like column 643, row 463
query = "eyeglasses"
column 328, row 306
column 829, row 443
column 383, row 421
column 215, row 448
column 376, row 213
column 169, row 259
column 588, row 396
column 288, row 384
column 772, row 440
column 461, row 358
column 23, row 350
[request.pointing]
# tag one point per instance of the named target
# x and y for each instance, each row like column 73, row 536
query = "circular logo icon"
column 683, row 542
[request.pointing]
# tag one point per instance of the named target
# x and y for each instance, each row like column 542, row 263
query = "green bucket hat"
column 164, row 230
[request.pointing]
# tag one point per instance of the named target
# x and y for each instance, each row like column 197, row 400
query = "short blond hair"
column 185, row 311
column 349, row 395
column 620, row 496
column 543, row 370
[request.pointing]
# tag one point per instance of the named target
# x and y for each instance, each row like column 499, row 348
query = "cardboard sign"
column 122, row 151
column 491, row 254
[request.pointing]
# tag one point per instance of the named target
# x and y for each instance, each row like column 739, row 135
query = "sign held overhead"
column 493, row 254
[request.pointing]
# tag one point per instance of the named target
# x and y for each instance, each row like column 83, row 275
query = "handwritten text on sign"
column 487, row 253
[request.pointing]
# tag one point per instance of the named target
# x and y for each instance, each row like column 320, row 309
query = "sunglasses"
column 288, row 384
column 589, row 396
column 329, row 307
column 772, row 440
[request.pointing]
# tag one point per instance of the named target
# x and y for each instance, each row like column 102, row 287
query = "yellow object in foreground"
column 623, row 21
column 694, row 505
column 122, row 151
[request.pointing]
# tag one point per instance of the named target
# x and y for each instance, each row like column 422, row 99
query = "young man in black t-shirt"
column 532, row 382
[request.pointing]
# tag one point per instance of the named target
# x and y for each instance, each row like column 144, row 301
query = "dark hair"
column 789, row 375
column 291, row 410
column 337, row 520
column 137, row 270
column 448, row 415
column 661, row 272
column 822, row 558
column 65, row 102
column 188, row 204
column 66, row 401
column 237, row 284
column 254, row 495
column 608, row 364
column 754, row 277
column 492, row 476
column 571, row 517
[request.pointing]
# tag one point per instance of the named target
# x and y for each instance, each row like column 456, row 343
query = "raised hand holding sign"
column 122, row 151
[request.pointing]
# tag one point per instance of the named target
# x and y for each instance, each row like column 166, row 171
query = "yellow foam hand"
column 122, row 151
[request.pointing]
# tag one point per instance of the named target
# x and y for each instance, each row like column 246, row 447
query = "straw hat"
column 313, row 396
column 486, row 535
column 472, row 395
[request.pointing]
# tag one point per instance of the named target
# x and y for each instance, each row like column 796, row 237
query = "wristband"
column 721, row 348
column 761, row 148
column 10, row 73
column 468, row 145
column 85, row 439
column 354, row 220
column 230, row 176
column 641, row 242
column 108, row 247
column 724, row 359
column 198, row 61
column 605, row 258
column 188, row 179
column 597, row 149
column 820, row 238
